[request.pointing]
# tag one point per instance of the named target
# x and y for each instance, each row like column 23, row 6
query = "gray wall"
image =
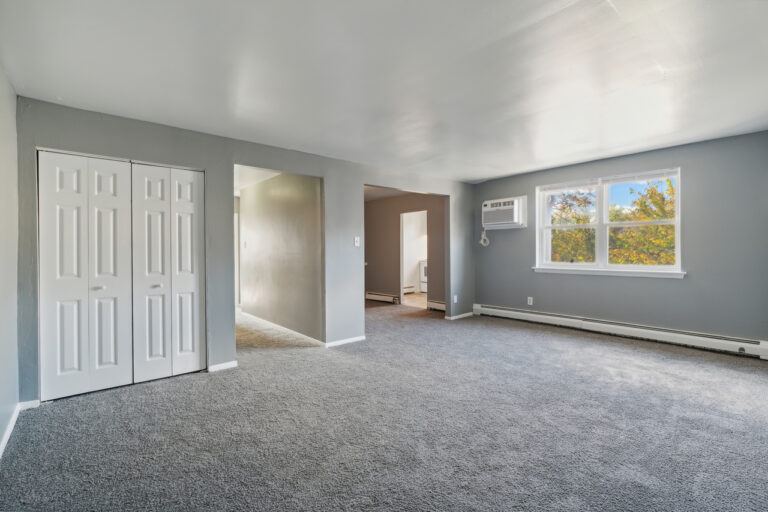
column 281, row 271
column 9, row 376
column 724, row 242
column 42, row 124
column 382, row 242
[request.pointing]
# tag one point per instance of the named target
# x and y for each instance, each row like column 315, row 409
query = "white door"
column 152, row 357
column 168, row 272
column 188, row 267
column 85, row 283
column 110, row 282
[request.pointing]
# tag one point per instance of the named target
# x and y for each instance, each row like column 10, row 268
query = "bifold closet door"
column 151, row 273
column 168, row 272
column 85, row 274
column 188, row 270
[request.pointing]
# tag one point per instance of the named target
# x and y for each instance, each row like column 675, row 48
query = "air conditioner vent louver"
column 504, row 213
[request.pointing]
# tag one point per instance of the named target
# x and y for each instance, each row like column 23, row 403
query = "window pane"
column 642, row 200
column 642, row 245
column 572, row 245
column 577, row 206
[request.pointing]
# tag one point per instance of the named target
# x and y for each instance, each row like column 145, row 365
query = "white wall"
column 414, row 246
column 9, row 237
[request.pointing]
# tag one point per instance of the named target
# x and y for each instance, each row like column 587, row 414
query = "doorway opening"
column 279, row 259
column 414, row 267
column 406, row 240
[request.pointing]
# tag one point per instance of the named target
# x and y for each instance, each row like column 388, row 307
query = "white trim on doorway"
column 344, row 341
column 459, row 317
column 222, row 366
column 23, row 406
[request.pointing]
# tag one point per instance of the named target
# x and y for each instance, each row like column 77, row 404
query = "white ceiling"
column 245, row 176
column 454, row 88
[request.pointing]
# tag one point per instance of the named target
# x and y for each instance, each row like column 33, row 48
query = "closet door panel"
column 152, row 314
column 188, row 270
column 63, row 275
column 110, row 280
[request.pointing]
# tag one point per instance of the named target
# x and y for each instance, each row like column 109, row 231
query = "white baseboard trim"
column 344, row 341
column 382, row 297
column 691, row 339
column 440, row 306
column 9, row 429
column 459, row 317
column 23, row 406
column 284, row 329
column 222, row 366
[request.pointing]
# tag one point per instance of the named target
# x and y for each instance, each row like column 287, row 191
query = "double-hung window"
column 622, row 225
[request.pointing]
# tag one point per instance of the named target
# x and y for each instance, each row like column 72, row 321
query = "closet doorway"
column 121, row 273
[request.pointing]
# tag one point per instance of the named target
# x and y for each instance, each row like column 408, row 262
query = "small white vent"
column 504, row 213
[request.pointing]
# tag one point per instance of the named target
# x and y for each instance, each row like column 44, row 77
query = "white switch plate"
column 530, row 301
column 455, row 299
column 357, row 241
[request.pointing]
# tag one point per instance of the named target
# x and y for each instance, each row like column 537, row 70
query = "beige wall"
column 382, row 242
column 281, row 258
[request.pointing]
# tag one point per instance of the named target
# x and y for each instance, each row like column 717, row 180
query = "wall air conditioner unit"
column 504, row 213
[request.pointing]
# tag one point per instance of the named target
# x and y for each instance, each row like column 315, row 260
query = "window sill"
column 664, row 274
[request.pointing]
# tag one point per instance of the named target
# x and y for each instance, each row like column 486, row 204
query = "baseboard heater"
column 382, row 297
column 436, row 304
column 743, row 346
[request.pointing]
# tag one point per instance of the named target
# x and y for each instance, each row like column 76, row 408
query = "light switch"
column 357, row 241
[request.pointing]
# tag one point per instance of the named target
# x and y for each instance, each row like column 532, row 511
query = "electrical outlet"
column 357, row 241
column 530, row 301
column 455, row 299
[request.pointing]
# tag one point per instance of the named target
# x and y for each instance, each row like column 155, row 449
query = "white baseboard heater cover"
column 742, row 346
column 382, row 297
column 436, row 304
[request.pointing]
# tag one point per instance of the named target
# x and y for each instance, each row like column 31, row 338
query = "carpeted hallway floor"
column 426, row 414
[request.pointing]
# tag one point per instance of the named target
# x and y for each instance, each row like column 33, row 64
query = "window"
column 623, row 225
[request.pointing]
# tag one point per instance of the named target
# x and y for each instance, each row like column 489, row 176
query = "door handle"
column 159, row 285
column 100, row 287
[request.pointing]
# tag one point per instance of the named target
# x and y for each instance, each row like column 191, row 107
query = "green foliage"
column 576, row 245
column 573, row 245
column 645, row 245
column 636, row 245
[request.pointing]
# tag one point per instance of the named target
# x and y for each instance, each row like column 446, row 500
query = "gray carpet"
column 427, row 414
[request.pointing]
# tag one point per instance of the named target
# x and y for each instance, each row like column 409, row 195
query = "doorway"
column 413, row 259
column 279, row 256
column 406, row 247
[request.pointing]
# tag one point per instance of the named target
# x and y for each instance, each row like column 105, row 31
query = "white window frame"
column 602, row 226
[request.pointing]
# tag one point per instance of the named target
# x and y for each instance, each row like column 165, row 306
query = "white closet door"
column 110, row 282
column 63, row 231
column 85, row 284
column 188, row 264
column 152, row 315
